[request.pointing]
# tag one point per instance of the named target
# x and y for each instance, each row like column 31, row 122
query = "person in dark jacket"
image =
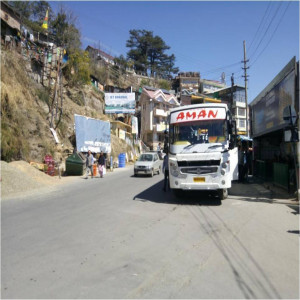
column 166, row 172
column 101, row 164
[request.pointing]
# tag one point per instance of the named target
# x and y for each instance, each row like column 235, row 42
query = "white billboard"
column 92, row 134
column 118, row 103
column 134, row 124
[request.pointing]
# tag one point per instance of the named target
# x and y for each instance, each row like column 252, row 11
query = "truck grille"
column 199, row 170
column 199, row 163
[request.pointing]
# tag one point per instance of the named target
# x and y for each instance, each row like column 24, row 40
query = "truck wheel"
column 223, row 194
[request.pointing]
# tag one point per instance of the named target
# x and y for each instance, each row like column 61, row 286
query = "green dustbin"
column 75, row 164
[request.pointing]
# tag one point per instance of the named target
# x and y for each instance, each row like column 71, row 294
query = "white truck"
column 202, row 151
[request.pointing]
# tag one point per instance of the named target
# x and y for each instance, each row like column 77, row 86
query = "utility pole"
column 232, row 84
column 246, row 79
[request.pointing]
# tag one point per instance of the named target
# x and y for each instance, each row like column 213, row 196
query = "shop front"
column 275, row 157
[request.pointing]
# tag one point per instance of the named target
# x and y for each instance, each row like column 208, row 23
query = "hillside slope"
column 25, row 116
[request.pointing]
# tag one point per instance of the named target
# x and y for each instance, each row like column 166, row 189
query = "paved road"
column 123, row 237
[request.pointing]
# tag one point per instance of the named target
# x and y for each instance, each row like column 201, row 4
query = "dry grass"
column 25, row 117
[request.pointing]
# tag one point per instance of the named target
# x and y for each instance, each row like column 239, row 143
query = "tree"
column 121, row 62
column 67, row 34
column 148, row 53
column 34, row 11
column 78, row 71
column 167, row 68
column 164, row 84
column 23, row 7
column 39, row 9
column 139, row 47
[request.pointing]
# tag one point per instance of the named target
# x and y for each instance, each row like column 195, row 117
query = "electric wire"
column 261, row 22
column 262, row 38
column 271, row 35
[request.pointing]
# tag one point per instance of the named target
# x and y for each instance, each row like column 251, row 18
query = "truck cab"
column 202, row 152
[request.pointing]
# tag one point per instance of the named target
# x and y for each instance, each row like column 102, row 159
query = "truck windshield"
column 190, row 133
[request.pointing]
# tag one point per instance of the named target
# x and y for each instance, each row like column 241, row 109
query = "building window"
column 242, row 123
column 241, row 112
column 156, row 120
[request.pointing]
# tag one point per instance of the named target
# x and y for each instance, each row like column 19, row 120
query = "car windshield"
column 146, row 157
column 190, row 133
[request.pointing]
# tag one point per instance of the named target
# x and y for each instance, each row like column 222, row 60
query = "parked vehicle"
column 160, row 153
column 148, row 163
column 203, row 153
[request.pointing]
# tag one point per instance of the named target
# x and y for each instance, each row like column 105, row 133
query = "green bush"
column 78, row 71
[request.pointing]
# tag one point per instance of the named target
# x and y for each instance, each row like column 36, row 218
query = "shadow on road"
column 156, row 194
column 295, row 207
column 294, row 231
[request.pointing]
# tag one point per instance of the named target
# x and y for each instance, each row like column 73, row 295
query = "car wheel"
column 135, row 174
column 223, row 194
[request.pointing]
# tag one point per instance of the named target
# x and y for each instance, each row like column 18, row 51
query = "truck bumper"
column 209, row 184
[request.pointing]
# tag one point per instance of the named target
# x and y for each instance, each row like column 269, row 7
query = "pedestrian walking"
column 166, row 171
column 159, row 150
column 89, row 164
column 159, row 147
column 101, row 164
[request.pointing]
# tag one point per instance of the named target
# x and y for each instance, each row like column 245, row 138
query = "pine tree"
column 149, row 53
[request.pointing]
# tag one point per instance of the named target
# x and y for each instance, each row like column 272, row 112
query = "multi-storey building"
column 187, row 81
column 155, row 105
column 235, row 98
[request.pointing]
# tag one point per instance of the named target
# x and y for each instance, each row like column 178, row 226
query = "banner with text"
column 118, row 103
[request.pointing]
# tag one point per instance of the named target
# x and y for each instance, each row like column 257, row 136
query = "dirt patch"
column 20, row 178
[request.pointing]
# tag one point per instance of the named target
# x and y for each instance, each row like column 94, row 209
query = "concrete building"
column 10, row 20
column 155, row 105
column 187, row 81
column 235, row 98
column 276, row 155
column 210, row 86
column 195, row 98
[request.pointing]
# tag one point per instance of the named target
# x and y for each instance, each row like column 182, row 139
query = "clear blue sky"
column 205, row 36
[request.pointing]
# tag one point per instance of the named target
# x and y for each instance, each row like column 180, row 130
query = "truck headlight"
column 174, row 169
